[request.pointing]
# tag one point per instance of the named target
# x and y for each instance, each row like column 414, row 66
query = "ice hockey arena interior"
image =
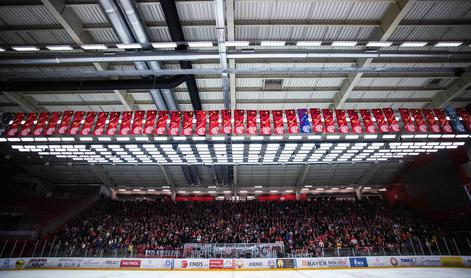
column 235, row 138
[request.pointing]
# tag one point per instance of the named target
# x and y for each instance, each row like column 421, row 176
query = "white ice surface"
column 341, row 273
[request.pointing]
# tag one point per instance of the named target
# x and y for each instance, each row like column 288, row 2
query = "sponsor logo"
column 371, row 129
column 306, row 129
column 358, row 262
column 451, row 261
column 49, row 131
column 227, row 129
column 174, row 131
column 395, row 127
column 137, row 130
column 112, row 263
column 214, row 130
column 25, row 131
column 255, row 264
column 279, row 130
column 130, row 263
column 239, row 130
column 5, row 264
column 99, row 131
column 184, row 264
column 393, row 261
column 187, row 131
column 20, row 263
column 85, row 131
column 200, row 131
column 344, row 129
column 125, row 131
column 168, row 264
column 74, row 130
column 265, row 130
column 409, row 261
column 148, row 130
column 357, row 129
column 160, row 130
column 111, row 131
column 271, row 263
column 384, row 128
column 422, row 128
column 12, row 131
column 315, row 263
column 229, row 264
column 435, row 128
column 294, row 129
column 410, row 127
column 330, row 128
column 252, row 130
column 216, row 263
column 37, row 263
column 285, row 263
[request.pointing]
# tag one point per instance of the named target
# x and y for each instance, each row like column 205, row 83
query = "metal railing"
column 51, row 248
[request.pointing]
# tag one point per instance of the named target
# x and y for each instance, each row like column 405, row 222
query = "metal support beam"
column 168, row 177
column 231, row 37
column 457, row 88
column 368, row 174
column 302, row 176
column 101, row 173
column 389, row 23
column 219, row 11
column 72, row 24
column 25, row 102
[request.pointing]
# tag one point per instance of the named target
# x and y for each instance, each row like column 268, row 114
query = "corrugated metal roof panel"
column 282, row 106
column 211, row 96
column 308, row 10
column 278, row 32
column 436, row 10
column 90, row 14
column 418, row 33
column 195, row 11
column 36, row 37
column 200, row 33
column 145, row 107
column 99, row 97
column 213, row 106
column 249, row 82
column 159, row 34
column 142, row 96
column 312, row 82
column 105, row 35
column 392, row 82
column 209, row 83
column 27, row 15
column 151, row 12
column 179, row 96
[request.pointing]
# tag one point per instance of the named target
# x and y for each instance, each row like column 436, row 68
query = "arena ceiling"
column 250, row 75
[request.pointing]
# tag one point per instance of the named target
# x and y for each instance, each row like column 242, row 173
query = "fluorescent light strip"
column 25, row 48
column 309, row 43
column 94, row 47
column 200, row 44
column 448, row 44
column 379, row 44
column 272, row 43
column 164, row 45
column 128, row 45
column 59, row 47
column 344, row 43
column 2, row 49
column 413, row 44
column 237, row 43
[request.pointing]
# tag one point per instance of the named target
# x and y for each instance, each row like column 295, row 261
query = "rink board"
column 235, row 264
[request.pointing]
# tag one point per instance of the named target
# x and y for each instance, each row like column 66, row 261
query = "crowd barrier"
column 234, row 264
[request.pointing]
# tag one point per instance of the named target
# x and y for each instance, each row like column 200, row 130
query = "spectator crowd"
column 303, row 226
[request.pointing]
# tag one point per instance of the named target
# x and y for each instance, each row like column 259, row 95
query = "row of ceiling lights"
column 206, row 44
column 306, row 189
column 233, row 138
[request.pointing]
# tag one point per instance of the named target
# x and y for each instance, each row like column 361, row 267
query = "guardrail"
column 55, row 248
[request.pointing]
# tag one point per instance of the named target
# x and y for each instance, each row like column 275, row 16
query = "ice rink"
column 383, row 273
